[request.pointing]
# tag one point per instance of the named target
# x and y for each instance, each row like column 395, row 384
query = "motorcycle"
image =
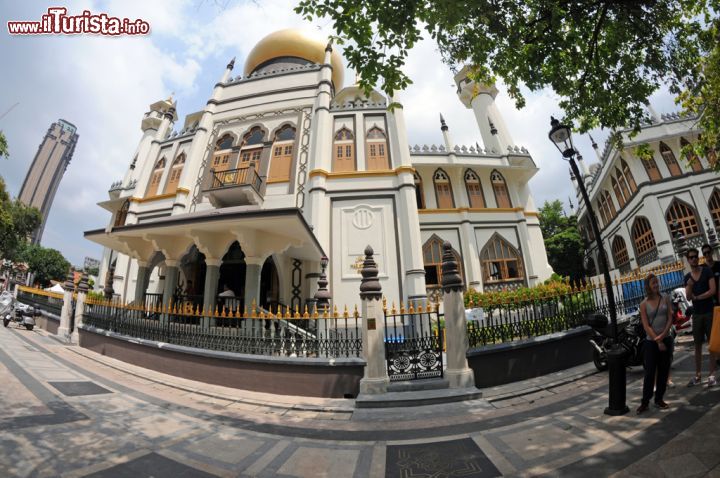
column 628, row 336
column 10, row 311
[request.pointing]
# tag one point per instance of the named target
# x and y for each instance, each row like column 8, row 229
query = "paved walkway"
column 69, row 412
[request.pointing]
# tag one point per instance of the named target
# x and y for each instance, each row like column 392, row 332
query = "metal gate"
column 413, row 343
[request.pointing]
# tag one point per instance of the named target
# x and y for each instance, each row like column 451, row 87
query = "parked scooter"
column 10, row 313
column 628, row 336
column 682, row 312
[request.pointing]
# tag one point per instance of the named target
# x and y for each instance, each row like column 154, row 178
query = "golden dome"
column 296, row 43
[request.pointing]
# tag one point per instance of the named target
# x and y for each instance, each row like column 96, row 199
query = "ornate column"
column 253, row 268
column 80, row 308
column 458, row 373
column 67, row 308
column 141, row 282
column 212, row 276
column 171, row 278
column 375, row 379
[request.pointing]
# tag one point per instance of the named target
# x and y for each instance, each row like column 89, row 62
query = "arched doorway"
column 232, row 273
column 269, row 285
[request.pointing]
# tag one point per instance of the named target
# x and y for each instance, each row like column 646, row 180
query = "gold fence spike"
column 411, row 310
column 356, row 312
column 345, row 312
column 420, row 308
column 402, row 307
column 262, row 315
column 335, row 311
column 287, row 313
column 393, row 311
column 315, row 314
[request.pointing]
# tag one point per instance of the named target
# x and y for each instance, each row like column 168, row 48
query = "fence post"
column 375, row 379
column 458, row 373
column 80, row 307
column 67, row 309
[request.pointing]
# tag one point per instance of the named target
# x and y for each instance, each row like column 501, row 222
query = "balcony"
column 235, row 187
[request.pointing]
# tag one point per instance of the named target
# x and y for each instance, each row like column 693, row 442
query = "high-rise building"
column 43, row 178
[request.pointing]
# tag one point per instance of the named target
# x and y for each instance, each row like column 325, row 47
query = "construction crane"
column 8, row 110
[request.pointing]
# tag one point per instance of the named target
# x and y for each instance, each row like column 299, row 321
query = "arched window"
column 443, row 190
column 376, row 149
column 175, row 172
column 669, row 158
column 642, row 236
column 502, row 196
column 685, row 217
column 619, row 195
column 501, row 262
column 251, row 148
column 432, row 259
column 282, row 155
column 620, row 253
column 221, row 156
column 692, row 158
column 122, row 213
column 628, row 176
column 651, row 169
column 474, row 189
column 344, row 151
column 610, row 205
column 603, row 211
column 714, row 206
column 623, row 185
column 419, row 192
column 155, row 178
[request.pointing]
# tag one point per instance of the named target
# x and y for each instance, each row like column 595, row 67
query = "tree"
column 17, row 222
column 604, row 58
column 3, row 146
column 563, row 243
column 44, row 263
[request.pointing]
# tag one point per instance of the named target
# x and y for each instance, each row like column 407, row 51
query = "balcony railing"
column 236, row 177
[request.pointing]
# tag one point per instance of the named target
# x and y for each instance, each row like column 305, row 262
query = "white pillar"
column 212, row 276
column 67, row 308
column 375, row 379
column 458, row 373
column 79, row 308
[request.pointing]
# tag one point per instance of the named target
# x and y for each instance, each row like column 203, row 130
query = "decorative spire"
column 231, row 65
column 443, row 124
column 370, row 285
column 322, row 296
column 493, row 129
column 451, row 280
column 69, row 284
column 594, row 144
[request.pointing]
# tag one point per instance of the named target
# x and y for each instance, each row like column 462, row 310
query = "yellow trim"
column 362, row 174
column 532, row 213
column 182, row 190
column 275, row 181
column 154, row 198
column 32, row 290
column 470, row 209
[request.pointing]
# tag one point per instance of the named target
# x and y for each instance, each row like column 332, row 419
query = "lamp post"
column 561, row 137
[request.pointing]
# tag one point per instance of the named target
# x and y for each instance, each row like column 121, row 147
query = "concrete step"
column 417, row 398
column 418, row 385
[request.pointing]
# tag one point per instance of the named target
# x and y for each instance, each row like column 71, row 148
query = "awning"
column 259, row 232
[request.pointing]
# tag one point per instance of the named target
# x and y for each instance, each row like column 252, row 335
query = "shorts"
column 702, row 325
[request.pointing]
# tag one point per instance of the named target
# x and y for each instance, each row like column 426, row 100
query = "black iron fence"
column 257, row 332
column 506, row 317
column 413, row 342
column 51, row 302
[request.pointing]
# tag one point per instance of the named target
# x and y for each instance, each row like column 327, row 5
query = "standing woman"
column 656, row 316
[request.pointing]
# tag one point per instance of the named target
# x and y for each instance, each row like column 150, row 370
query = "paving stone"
column 151, row 465
column 448, row 458
column 76, row 389
column 321, row 462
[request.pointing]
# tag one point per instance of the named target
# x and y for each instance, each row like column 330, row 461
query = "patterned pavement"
column 69, row 412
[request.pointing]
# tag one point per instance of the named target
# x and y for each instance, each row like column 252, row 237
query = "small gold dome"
column 295, row 43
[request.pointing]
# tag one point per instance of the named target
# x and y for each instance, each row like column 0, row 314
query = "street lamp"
column 561, row 137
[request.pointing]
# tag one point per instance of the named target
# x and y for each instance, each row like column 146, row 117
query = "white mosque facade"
column 284, row 166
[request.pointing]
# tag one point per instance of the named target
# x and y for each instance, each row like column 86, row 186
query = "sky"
column 104, row 85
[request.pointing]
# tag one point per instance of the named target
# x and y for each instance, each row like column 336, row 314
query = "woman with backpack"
column 656, row 317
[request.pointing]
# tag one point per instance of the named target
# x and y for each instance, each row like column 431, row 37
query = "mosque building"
column 285, row 166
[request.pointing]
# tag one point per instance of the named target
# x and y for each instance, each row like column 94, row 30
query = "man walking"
column 700, row 289
column 712, row 264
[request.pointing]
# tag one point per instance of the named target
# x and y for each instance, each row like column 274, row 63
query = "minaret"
column 445, row 133
column 481, row 98
column 595, row 147
column 583, row 166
